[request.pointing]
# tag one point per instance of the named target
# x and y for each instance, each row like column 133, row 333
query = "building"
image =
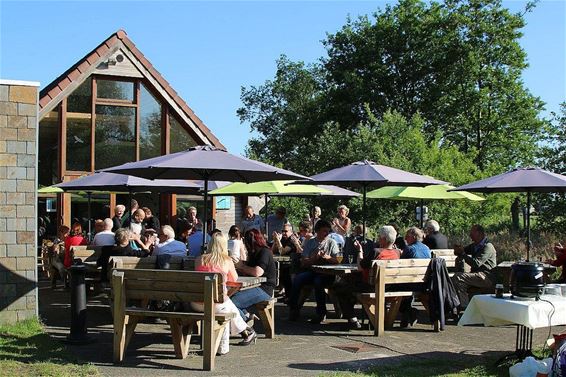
column 109, row 108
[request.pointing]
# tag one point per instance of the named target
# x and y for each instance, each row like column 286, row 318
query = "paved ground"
column 299, row 349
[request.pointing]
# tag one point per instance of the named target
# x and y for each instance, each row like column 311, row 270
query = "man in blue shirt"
column 168, row 245
column 195, row 241
column 415, row 249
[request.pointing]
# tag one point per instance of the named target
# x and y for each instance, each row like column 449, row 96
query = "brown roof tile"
column 76, row 71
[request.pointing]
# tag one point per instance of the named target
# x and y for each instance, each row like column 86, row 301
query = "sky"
column 208, row 50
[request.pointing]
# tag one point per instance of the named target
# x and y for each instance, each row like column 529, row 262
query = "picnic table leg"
column 179, row 333
column 119, row 316
column 267, row 315
column 130, row 328
column 208, row 324
column 391, row 314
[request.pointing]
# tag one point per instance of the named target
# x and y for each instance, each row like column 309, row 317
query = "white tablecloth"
column 491, row 311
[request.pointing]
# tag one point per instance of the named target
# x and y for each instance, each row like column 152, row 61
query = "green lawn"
column 26, row 350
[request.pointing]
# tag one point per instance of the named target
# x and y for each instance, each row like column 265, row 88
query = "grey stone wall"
column 18, row 202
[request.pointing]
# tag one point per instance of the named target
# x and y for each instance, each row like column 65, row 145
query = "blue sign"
column 223, row 202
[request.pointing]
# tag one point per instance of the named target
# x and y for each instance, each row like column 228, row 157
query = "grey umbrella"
column 367, row 174
column 527, row 180
column 205, row 163
column 111, row 182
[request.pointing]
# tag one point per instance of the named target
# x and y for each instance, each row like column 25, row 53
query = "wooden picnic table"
column 282, row 259
column 336, row 269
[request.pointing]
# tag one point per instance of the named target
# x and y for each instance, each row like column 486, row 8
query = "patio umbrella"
column 205, row 163
column 367, row 174
column 527, row 180
column 49, row 190
column 110, row 182
column 431, row 192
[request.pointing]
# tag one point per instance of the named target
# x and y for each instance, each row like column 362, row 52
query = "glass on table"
column 339, row 257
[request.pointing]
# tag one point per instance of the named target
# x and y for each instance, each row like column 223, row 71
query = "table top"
column 336, row 269
column 491, row 311
column 508, row 264
column 250, row 281
column 282, row 258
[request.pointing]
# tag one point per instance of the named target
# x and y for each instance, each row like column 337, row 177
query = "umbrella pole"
column 130, row 208
column 421, row 217
column 266, row 212
column 528, row 225
column 89, row 215
column 364, row 211
column 205, row 214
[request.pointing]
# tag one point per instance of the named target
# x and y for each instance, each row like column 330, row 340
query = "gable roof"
column 63, row 85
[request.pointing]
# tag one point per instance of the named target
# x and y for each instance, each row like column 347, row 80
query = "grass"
column 429, row 368
column 26, row 350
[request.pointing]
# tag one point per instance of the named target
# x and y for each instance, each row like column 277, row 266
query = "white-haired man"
column 168, row 244
column 106, row 237
column 118, row 217
column 434, row 239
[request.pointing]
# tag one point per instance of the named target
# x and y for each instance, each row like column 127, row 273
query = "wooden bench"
column 266, row 310
column 382, row 306
column 185, row 286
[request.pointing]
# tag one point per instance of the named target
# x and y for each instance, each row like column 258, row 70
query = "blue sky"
column 208, row 50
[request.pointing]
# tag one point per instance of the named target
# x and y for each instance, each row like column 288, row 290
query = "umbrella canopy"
column 269, row 188
column 432, row 192
column 119, row 182
column 527, row 180
column 49, row 190
column 366, row 174
column 205, row 163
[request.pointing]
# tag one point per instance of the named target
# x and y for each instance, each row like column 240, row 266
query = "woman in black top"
column 260, row 263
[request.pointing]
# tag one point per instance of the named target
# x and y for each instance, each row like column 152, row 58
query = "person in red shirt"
column 560, row 261
column 346, row 290
column 75, row 238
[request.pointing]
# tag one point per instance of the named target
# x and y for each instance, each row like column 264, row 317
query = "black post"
column 528, row 225
column 205, row 216
column 364, row 211
column 266, row 214
column 89, row 218
column 78, row 333
column 421, row 220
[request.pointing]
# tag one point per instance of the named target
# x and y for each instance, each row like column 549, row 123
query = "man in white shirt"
column 168, row 245
column 106, row 237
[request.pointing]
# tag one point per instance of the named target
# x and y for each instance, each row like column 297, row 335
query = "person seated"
column 560, row 261
column 415, row 246
column 195, row 241
column 185, row 230
column 348, row 250
column 434, row 239
column 98, row 226
column 318, row 250
column 75, row 238
column 275, row 222
column 481, row 256
column 415, row 249
column 236, row 248
column 341, row 223
column 400, row 242
column 106, row 236
column 305, row 232
column 338, row 238
column 346, row 289
column 150, row 221
column 216, row 259
column 122, row 248
column 260, row 263
column 168, row 245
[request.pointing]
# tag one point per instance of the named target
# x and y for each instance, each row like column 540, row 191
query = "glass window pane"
column 150, row 125
column 180, row 139
column 115, row 136
column 79, row 105
column 80, row 101
column 48, row 148
column 111, row 89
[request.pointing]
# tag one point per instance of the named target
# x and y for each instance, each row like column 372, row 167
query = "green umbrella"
column 432, row 192
column 49, row 190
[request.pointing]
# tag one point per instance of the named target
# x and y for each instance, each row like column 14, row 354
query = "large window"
column 115, row 136
column 150, row 125
column 179, row 140
column 79, row 116
column 48, row 148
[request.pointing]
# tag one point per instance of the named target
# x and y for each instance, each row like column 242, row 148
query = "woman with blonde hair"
column 342, row 223
column 216, row 259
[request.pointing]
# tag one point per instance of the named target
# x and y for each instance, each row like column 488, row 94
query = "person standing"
column 117, row 219
column 106, row 237
column 275, row 223
column 150, row 221
column 434, row 239
column 251, row 221
column 342, row 223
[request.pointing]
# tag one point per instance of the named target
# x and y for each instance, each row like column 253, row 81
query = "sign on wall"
column 223, row 202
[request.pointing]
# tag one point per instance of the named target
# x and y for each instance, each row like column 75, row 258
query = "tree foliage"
column 430, row 87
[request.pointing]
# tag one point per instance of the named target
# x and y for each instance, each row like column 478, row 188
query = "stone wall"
column 18, row 202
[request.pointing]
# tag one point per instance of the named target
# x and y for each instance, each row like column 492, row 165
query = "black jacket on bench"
column 443, row 295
